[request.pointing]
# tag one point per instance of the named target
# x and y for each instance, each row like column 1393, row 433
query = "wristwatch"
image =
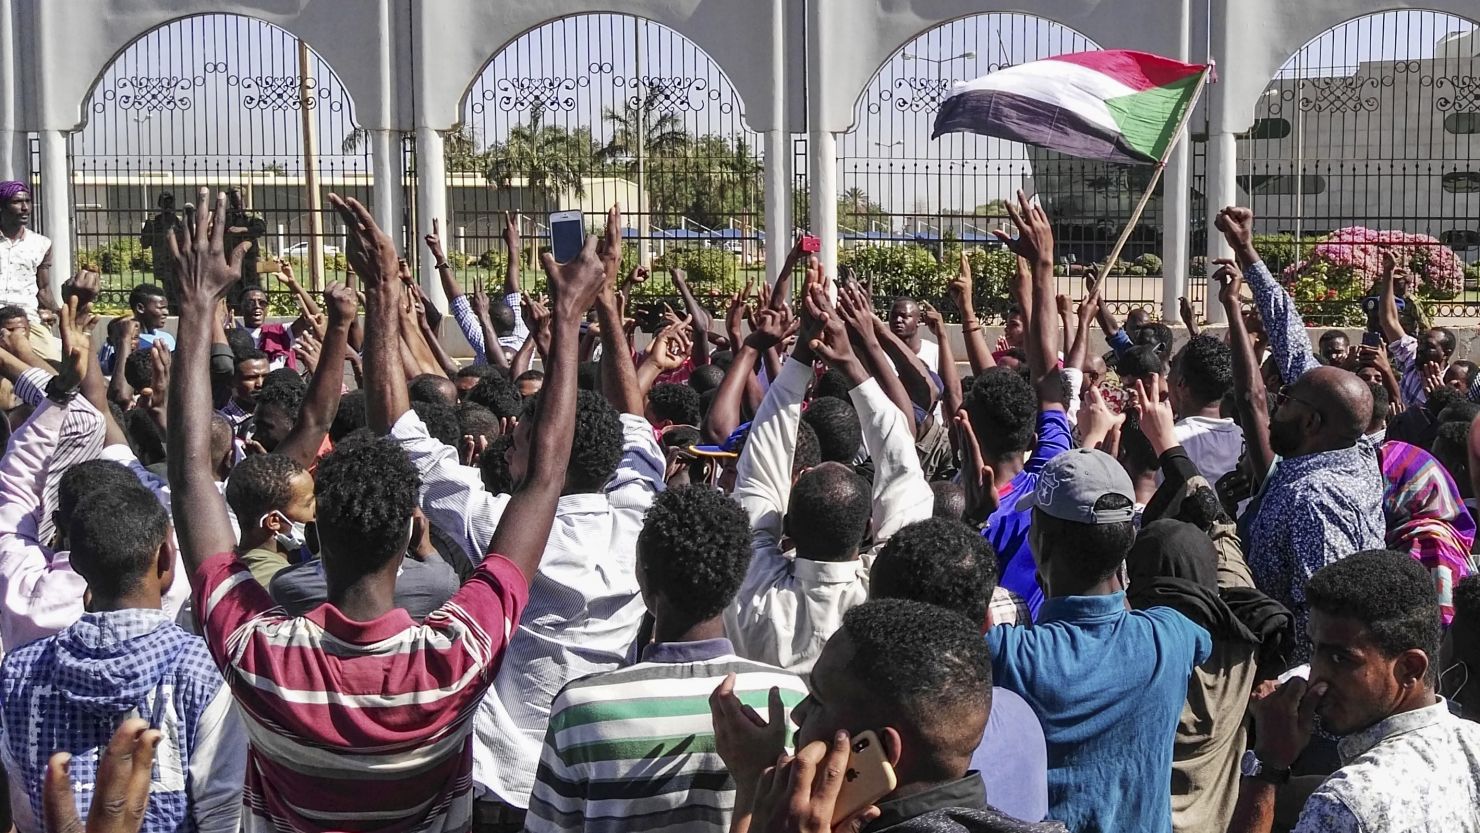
column 1252, row 767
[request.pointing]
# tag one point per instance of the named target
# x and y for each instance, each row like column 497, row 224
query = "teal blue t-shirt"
column 1108, row 685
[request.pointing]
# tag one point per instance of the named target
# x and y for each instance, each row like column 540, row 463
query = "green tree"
column 551, row 160
column 661, row 134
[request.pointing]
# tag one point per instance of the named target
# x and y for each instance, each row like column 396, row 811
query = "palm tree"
column 660, row 134
column 856, row 197
column 460, row 147
column 551, row 160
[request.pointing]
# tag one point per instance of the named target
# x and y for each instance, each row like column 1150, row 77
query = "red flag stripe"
column 1140, row 71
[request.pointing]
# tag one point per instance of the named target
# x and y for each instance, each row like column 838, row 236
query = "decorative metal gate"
column 597, row 109
column 1375, row 123
column 898, row 188
column 224, row 101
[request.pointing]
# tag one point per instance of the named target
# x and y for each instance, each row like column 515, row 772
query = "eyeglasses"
column 1284, row 396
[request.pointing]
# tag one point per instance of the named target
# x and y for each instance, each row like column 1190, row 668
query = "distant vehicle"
column 302, row 250
column 734, row 247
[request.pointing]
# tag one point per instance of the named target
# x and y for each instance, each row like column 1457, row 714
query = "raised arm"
column 951, row 396
column 781, row 292
column 724, row 416
column 618, row 371
column 1034, row 245
column 1288, row 340
column 514, row 250
column 386, row 397
column 1388, row 321
column 699, row 318
column 978, row 354
column 310, row 313
column 322, row 399
column 205, row 270
column 855, row 311
column 524, row 529
column 1250, row 397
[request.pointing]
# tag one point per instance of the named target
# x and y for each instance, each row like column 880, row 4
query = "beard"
column 1284, row 437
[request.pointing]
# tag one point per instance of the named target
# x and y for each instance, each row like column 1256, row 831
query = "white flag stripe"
column 1059, row 83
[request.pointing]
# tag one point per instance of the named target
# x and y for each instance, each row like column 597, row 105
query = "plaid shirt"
column 1008, row 608
column 69, row 691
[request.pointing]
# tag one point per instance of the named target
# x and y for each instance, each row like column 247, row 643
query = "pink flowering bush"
column 1329, row 284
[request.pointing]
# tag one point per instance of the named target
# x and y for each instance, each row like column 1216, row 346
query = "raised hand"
column 369, row 250
column 932, row 319
column 609, row 249
column 1065, row 306
column 858, row 313
column 1230, row 283
column 536, row 312
column 1237, row 225
column 85, row 286
column 434, row 241
column 120, row 791
column 978, row 479
column 960, row 286
column 1285, row 718
column 162, row 359
column 771, row 328
column 205, row 269
column 511, row 233
column 745, row 741
column 1155, row 410
column 1034, row 242
column 833, row 344
column 1096, row 420
column 669, row 348
column 76, row 333
column 308, row 349
column 342, row 303
column 479, row 301
column 285, row 269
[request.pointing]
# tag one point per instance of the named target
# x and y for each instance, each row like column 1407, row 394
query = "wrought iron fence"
column 223, row 101
column 597, row 109
column 1376, row 124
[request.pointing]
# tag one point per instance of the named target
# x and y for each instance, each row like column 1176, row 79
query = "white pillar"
column 431, row 203
column 15, row 155
column 1176, row 208
column 56, row 201
column 385, row 159
column 1222, row 187
column 778, row 200
column 822, row 145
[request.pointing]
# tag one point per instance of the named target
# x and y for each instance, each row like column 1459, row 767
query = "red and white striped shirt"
column 358, row 726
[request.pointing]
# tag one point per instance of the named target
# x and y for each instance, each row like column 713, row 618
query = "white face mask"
column 292, row 541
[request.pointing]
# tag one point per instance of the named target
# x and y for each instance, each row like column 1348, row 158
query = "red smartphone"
column 811, row 244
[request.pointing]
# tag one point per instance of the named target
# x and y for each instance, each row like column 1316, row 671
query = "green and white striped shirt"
column 632, row 750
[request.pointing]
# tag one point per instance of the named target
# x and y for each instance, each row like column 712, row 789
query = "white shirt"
column 584, row 606
column 1213, row 444
column 787, row 607
column 929, row 353
column 19, row 259
column 1416, row 772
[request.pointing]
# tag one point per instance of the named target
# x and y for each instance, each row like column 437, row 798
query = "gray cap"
column 1070, row 484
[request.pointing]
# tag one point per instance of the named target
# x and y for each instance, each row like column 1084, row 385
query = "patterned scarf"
column 1426, row 517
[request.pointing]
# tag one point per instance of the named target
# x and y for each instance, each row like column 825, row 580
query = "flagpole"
column 1161, row 164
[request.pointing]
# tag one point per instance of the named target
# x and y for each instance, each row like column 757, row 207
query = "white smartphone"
column 567, row 235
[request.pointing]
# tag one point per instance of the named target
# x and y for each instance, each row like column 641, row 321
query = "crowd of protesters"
column 789, row 566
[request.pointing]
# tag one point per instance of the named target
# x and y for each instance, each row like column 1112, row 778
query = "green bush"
column 1472, row 276
column 1136, row 270
column 706, row 267
column 494, row 260
column 459, row 260
column 1150, row 264
column 897, row 270
column 991, row 272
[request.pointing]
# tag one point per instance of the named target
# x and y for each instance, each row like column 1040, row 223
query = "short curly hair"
column 138, row 369
column 366, row 493
column 474, row 420
column 494, row 466
column 497, row 394
column 288, row 396
column 432, row 387
column 809, row 451
column 1139, row 362
column 940, row 561
column 87, row 478
column 1451, row 448
column 1388, row 592
column 115, row 538
column 1156, row 335
column 832, row 383
column 1205, row 365
column 259, row 484
column 678, row 404
column 440, row 420
column 839, row 432
column 596, row 448
column 922, row 663
column 1003, row 410
column 706, row 377
column 1467, row 600
column 350, row 417
column 828, row 512
column 693, row 550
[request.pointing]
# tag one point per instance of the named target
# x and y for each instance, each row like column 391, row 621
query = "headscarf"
column 1174, row 564
column 10, row 188
column 1426, row 517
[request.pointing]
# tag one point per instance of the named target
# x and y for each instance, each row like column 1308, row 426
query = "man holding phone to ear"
column 912, row 675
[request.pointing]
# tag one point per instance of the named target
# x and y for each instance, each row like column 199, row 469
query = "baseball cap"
column 729, row 448
column 1071, row 483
